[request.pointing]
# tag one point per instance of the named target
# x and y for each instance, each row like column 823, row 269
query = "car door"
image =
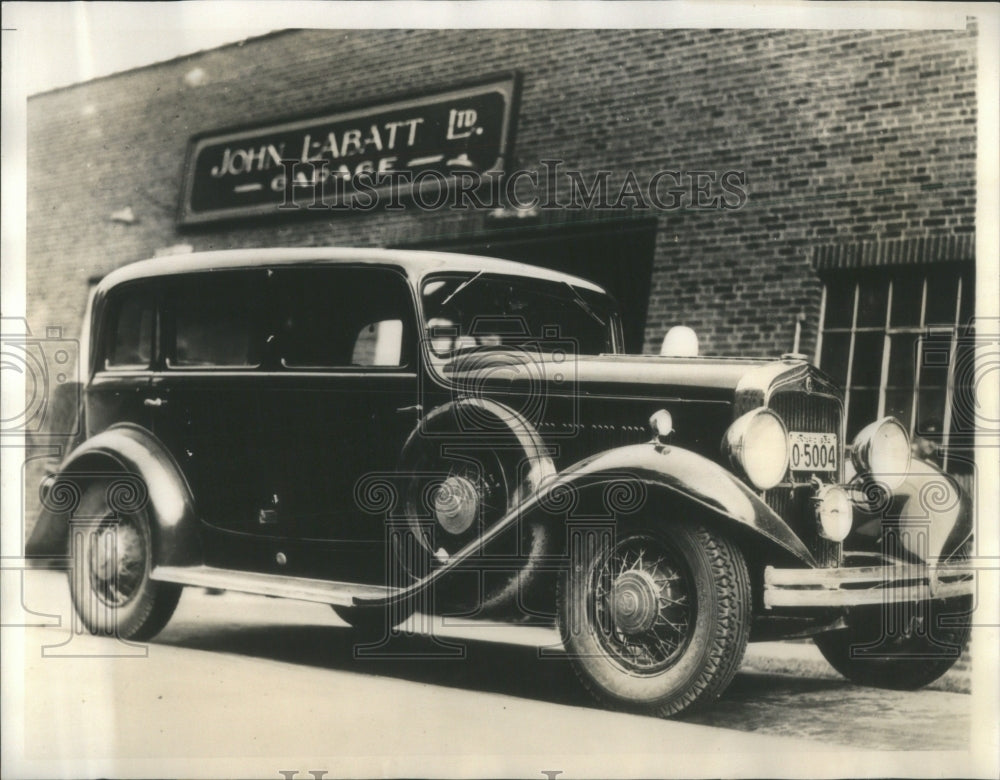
column 204, row 398
column 337, row 409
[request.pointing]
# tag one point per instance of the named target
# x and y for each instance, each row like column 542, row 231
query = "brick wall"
column 845, row 136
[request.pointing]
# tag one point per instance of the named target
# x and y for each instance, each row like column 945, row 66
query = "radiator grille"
column 792, row 500
column 811, row 413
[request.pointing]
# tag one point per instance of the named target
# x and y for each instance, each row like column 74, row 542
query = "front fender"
column 131, row 452
column 677, row 470
column 687, row 474
column 931, row 514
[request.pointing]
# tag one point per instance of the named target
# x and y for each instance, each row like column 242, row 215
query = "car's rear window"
column 131, row 340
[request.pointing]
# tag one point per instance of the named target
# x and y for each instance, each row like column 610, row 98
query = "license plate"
column 812, row 451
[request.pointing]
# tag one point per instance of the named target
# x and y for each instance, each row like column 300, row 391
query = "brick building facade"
column 858, row 149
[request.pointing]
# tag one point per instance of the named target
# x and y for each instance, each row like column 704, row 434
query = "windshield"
column 473, row 311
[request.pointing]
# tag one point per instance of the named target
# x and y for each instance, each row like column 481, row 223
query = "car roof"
column 416, row 264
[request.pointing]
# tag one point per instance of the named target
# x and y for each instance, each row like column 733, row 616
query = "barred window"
column 892, row 337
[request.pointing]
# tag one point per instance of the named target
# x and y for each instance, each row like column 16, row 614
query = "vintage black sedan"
column 390, row 431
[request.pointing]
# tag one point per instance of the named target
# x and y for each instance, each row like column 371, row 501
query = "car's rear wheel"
column 111, row 560
column 656, row 619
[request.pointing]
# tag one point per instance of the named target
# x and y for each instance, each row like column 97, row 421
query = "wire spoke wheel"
column 643, row 605
column 117, row 561
column 109, row 577
column 655, row 616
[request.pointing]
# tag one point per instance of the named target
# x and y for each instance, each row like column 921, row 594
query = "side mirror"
column 680, row 341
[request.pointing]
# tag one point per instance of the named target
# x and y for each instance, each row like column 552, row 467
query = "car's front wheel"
column 901, row 646
column 656, row 618
column 111, row 560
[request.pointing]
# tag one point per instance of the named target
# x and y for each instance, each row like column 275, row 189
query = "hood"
column 635, row 374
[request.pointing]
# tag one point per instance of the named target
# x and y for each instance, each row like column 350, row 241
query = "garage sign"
column 253, row 172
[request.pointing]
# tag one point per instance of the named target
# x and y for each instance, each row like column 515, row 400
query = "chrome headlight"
column 834, row 513
column 757, row 446
column 882, row 450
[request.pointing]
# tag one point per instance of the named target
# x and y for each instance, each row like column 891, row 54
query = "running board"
column 342, row 594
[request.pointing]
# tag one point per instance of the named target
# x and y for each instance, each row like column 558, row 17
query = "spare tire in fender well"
column 472, row 440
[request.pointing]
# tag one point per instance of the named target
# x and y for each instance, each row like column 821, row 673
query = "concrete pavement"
column 237, row 681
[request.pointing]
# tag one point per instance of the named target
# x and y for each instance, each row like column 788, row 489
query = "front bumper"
column 863, row 585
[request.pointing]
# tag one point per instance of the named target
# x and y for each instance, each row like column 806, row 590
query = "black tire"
column 903, row 660
column 111, row 560
column 689, row 654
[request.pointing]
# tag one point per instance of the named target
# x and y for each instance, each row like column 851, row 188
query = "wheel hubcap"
column 456, row 504
column 449, row 499
column 117, row 562
column 636, row 602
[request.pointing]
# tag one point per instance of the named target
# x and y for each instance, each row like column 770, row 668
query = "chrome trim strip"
column 656, row 398
column 269, row 374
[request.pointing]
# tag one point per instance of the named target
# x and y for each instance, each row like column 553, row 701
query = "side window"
column 215, row 321
column 130, row 342
column 379, row 344
column 337, row 317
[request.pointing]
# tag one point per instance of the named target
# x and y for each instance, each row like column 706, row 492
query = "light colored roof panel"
column 416, row 264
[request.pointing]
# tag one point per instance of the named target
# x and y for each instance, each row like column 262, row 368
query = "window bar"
column 822, row 325
column 850, row 355
column 917, row 359
column 886, row 341
column 949, row 393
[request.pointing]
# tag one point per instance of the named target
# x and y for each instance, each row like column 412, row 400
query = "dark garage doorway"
column 618, row 255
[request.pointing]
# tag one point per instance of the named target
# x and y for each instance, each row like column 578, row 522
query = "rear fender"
column 138, row 475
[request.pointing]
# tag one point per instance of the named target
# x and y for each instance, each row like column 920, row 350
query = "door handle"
column 418, row 408
column 157, row 402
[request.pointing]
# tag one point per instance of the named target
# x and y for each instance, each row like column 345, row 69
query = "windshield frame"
column 471, row 276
